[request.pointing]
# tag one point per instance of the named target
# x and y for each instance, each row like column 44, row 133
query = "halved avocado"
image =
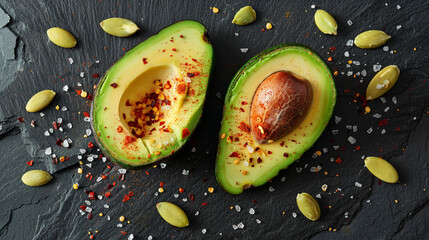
column 150, row 101
column 241, row 161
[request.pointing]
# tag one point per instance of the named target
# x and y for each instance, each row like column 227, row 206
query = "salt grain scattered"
column 65, row 88
column 349, row 43
column 258, row 221
column 204, row 231
column 346, row 54
column 351, row 140
column 298, row 169
column 383, row 131
column 82, row 74
column 218, row 95
column 244, row 50
column 369, row 131
column 386, row 48
column 163, row 165
column 349, row 22
column 398, row 27
column 48, row 151
column 240, row 225
column 294, row 215
column 252, row 211
column 376, row 67
column 271, row 189
column 71, row 61
column 185, row 172
column 377, row 115
column 357, row 184
column 394, row 100
column 237, row 208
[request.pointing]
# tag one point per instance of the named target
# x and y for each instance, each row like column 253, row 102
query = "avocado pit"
column 280, row 104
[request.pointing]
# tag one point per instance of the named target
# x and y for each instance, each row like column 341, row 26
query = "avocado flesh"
column 236, row 167
column 180, row 56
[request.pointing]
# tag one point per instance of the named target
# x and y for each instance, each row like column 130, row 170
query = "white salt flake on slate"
column 47, row 133
column 87, row 119
column 176, row 195
column 258, row 221
column 348, row 66
column 71, row 61
column 250, row 148
column 313, row 6
column 398, row 27
column 87, row 202
column 66, row 144
column 88, row 209
column 377, row 115
column 156, row 194
column 119, row 225
column 79, row 157
column 351, row 140
column 237, row 208
column 314, row 155
column 184, row 199
column 236, row 34
column 79, row 84
column 325, row 187
column 64, row 109
column 99, row 179
column 197, row 213
column 185, row 172
column 204, row 231
column 82, row 74
column 194, row 149
column 163, row 165
column 325, row 150
column 357, row 184
column 48, row 151
column 306, row 165
column 386, row 48
column 335, row 132
column 294, row 215
column 349, row 43
column 234, row 226
column 69, row 125
column 376, row 67
column 69, row 140
column 354, row 128
column 218, row 95
column 59, row 120
column 108, row 218
column 104, row 159
column 81, row 212
column 394, row 100
column 283, row 179
column 131, row 237
column 349, row 22
column 349, row 127
column 346, row 214
column 369, row 131
column 240, row 225
column 398, row 7
column 88, row 132
column 383, row 131
column 251, row 211
column 337, row 119
column 363, row 72
column 383, row 100
column 346, row 54
column 51, row 130
column 150, row 237
column 89, row 165
column 99, row 197
column 335, row 147
column 42, row 114
column 299, row 169
column 357, row 73
column 313, row 169
column 65, row 88
column 318, row 195
column 244, row 50
column 349, row 73
column 357, row 63
column 271, row 189
column 106, row 206
column 386, row 109
column 82, row 151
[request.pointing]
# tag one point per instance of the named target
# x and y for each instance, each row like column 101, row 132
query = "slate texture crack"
column 410, row 215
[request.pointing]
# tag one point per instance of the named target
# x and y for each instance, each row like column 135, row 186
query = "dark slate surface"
column 32, row 63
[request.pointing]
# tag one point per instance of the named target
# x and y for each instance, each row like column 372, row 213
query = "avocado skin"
column 253, row 61
column 102, row 81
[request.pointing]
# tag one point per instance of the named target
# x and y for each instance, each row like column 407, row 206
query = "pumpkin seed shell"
column 119, row 27
column 382, row 169
column 371, row 39
column 244, row 16
column 172, row 214
column 61, row 37
column 325, row 22
column 36, row 178
column 40, row 100
column 382, row 82
column 308, row 206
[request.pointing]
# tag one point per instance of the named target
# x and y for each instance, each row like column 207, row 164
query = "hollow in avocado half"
column 276, row 107
column 150, row 101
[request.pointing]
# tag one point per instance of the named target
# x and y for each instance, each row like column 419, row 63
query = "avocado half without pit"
column 150, row 101
column 276, row 107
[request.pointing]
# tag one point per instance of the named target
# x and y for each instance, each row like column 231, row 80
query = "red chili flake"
column 54, row 160
column 95, row 75
column 78, row 92
column 382, row 122
column 259, row 160
column 263, row 30
column 181, row 36
column 282, row 143
column 124, row 233
column 398, row 129
column 191, row 197
column 333, row 48
column 185, row 132
column 107, row 194
column 357, row 148
column 347, row 90
column 91, row 195
column 234, row 154
column 114, row 85
column 181, row 88
column 181, row 190
column 83, row 207
column 379, row 182
column 30, row 163
column 89, row 97
column 254, row 201
column 285, row 154
column 330, row 59
column 121, row 177
column 21, row 119
column 55, row 125
column 109, row 186
column 147, row 173
column 85, row 114
column 161, row 184
column 195, row 60
column 338, row 160
column 204, row 203
column 144, row 60
column 269, row 152
column 173, row 49
column 90, row 145
column 89, row 217
column 91, row 236
column 59, row 142
column 103, row 176
column 130, row 193
column 126, row 198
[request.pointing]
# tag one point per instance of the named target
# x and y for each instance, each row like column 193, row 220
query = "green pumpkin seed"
column 308, row 206
column 172, row 214
column 119, row 27
column 36, row 178
column 382, row 169
column 61, row 37
column 244, row 16
column 371, row 39
column 382, row 82
column 325, row 22
column 40, row 100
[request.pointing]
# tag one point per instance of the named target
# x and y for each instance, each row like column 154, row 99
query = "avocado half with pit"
column 150, row 101
column 276, row 107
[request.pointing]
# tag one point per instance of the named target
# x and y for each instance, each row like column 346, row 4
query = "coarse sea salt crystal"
column 234, row 226
column 65, row 88
column 244, row 50
column 349, row 22
column 237, row 208
column 47, row 133
column 386, row 48
column 318, row 196
column 271, row 189
column 163, row 165
column 185, row 172
column 335, row 132
column 298, row 169
column 394, row 100
column 398, row 27
column 42, row 114
column 337, row 119
column 354, row 128
column 82, row 74
column 346, row 54
column 48, row 151
column 383, row 100
column 357, row 184
column 376, row 67
column 71, row 61
column 106, row 206
column 252, row 211
column 131, row 237
column 250, row 148
column 383, row 131
column 150, row 237
column 122, row 171
column 258, row 221
column 386, row 109
column 204, row 231
column 398, row 7
column 66, row 144
column 194, row 149
column 369, row 131
column 349, row 43
column 176, row 195
column 357, row 63
column 313, row 6
column 236, row 34
column 283, row 179
column 294, row 215
column 349, row 73
column 335, row 147
column 240, row 225
column 351, row 140
column 219, row 95
column 363, row 72
column 64, row 109
column 87, row 119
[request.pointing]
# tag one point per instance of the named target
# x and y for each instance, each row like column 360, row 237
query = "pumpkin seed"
column 40, row 100
column 325, row 22
column 244, row 16
column 119, row 27
column 371, row 39
column 36, row 178
column 382, row 82
column 382, row 169
column 308, row 206
column 61, row 37
column 172, row 214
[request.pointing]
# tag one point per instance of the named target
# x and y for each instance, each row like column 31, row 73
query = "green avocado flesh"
column 150, row 101
column 242, row 162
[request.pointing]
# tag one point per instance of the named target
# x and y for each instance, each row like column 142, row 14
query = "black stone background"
column 367, row 212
